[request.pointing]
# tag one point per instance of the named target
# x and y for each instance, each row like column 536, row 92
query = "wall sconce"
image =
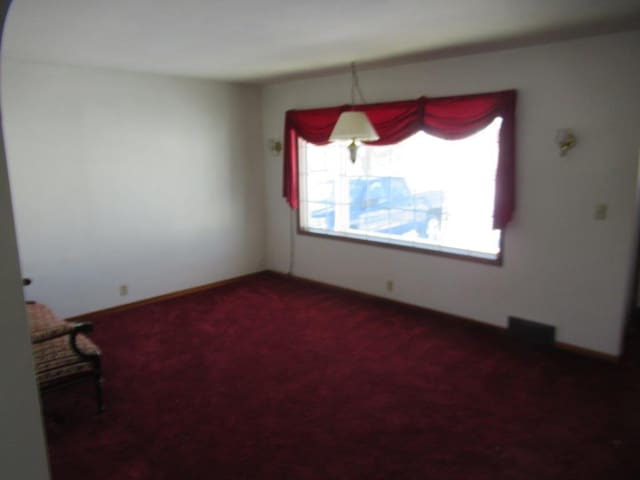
column 566, row 140
column 275, row 147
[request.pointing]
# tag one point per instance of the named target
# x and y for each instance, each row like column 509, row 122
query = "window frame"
column 498, row 261
column 449, row 118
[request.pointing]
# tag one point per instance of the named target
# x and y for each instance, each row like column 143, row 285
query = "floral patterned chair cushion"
column 62, row 352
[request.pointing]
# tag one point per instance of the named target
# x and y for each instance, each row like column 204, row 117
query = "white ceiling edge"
column 512, row 43
column 268, row 41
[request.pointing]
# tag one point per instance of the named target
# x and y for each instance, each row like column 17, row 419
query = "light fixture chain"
column 355, row 86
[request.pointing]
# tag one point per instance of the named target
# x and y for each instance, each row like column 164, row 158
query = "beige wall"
column 122, row 178
column 561, row 266
column 22, row 444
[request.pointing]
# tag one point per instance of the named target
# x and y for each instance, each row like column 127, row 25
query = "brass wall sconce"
column 566, row 140
column 275, row 147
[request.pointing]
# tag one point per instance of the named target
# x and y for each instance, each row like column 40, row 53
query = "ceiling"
column 258, row 41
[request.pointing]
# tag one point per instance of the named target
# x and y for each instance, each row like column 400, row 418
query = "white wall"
column 22, row 445
column 137, row 179
column 561, row 266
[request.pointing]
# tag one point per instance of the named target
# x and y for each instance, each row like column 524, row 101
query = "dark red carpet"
column 272, row 378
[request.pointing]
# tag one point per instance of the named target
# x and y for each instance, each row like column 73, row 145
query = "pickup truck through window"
column 424, row 193
column 385, row 205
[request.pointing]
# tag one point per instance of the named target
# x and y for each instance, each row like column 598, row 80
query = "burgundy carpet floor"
column 273, row 378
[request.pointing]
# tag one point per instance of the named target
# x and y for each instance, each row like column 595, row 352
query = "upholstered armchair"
column 62, row 352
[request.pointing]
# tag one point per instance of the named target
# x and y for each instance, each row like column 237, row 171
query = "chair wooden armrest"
column 62, row 353
column 59, row 330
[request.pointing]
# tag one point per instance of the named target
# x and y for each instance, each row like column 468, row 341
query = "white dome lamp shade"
column 354, row 126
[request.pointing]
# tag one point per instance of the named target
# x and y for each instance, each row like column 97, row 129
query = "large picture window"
column 440, row 179
column 424, row 193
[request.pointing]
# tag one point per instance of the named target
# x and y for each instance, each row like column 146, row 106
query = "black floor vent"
column 532, row 333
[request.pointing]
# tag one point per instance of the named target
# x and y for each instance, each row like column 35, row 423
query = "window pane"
column 424, row 192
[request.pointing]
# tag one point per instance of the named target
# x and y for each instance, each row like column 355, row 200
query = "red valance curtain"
column 450, row 118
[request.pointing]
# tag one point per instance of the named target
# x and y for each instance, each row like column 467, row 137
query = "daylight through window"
column 423, row 193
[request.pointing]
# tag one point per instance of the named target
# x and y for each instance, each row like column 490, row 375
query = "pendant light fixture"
column 353, row 125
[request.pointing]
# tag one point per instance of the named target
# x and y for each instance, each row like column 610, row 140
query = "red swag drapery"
column 449, row 118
